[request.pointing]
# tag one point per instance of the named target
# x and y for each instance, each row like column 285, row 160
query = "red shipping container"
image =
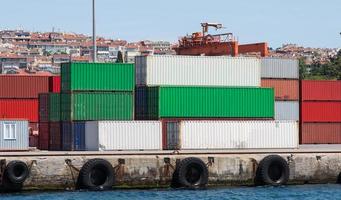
column 19, row 109
column 33, row 141
column 321, row 133
column 321, row 111
column 33, row 134
column 284, row 89
column 321, row 90
column 55, row 143
column 20, row 86
column 44, row 129
column 55, row 84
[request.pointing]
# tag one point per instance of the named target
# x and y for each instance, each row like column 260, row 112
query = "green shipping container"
column 97, row 106
column 97, row 77
column 203, row 102
column 49, row 107
column 54, row 114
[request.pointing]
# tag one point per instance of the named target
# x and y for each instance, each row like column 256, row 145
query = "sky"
column 310, row 23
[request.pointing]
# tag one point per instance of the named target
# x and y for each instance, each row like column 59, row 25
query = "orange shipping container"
column 321, row 133
column 284, row 89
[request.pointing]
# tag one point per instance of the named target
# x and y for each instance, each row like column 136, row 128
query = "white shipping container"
column 14, row 135
column 287, row 110
column 280, row 68
column 123, row 135
column 238, row 134
column 197, row 71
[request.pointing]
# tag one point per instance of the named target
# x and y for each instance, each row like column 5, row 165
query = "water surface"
column 301, row 192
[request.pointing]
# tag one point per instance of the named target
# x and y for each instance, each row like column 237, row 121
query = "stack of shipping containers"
column 92, row 92
column 196, row 96
column 19, row 98
column 49, row 121
column 320, row 112
column 283, row 76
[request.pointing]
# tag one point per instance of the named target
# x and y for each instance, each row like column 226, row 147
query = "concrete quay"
column 153, row 169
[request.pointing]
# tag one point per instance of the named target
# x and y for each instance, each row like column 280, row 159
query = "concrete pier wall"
column 61, row 171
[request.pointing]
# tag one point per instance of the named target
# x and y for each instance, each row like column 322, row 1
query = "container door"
column 173, row 141
column 79, row 136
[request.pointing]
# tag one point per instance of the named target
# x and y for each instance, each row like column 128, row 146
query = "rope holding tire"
column 190, row 173
column 96, row 174
column 272, row 170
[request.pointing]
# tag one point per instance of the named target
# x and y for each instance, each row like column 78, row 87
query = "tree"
column 318, row 71
column 302, row 68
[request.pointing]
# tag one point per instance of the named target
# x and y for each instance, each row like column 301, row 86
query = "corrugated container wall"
column 97, row 106
column 123, row 135
column 279, row 68
column 49, row 107
column 197, row 71
column 13, row 135
column 321, row 90
column 207, row 102
column 55, row 141
column 284, row 89
column 44, row 136
column 73, row 136
column 15, row 86
column 97, row 77
column 287, row 110
column 321, row 133
column 43, row 107
column 19, row 109
column 238, row 134
column 55, row 84
column 321, row 111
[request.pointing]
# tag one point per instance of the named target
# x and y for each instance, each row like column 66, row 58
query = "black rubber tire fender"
column 272, row 170
column 17, row 171
column 191, row 173
column 96, row 174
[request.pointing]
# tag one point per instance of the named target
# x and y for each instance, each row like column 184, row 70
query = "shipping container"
column 54, row 84
column 34, row 141
column 19, row 86
column 14, row 135
column 123, row 135
column 44, row 136
column 321, row 90
column 287, row 110
column 163, row 70
column 321, row 111
column 43, row 104
column 55, row 141
column 97, row 77
column 73, row 136
column 233, row 135
column 279, row 68
column 97, row 106
column 49, row 107
column 203, row 102
column 321, row 133
column 19, row 109
column 284, row 89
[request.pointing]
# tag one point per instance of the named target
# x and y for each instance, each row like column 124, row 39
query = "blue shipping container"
column 73, row 136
